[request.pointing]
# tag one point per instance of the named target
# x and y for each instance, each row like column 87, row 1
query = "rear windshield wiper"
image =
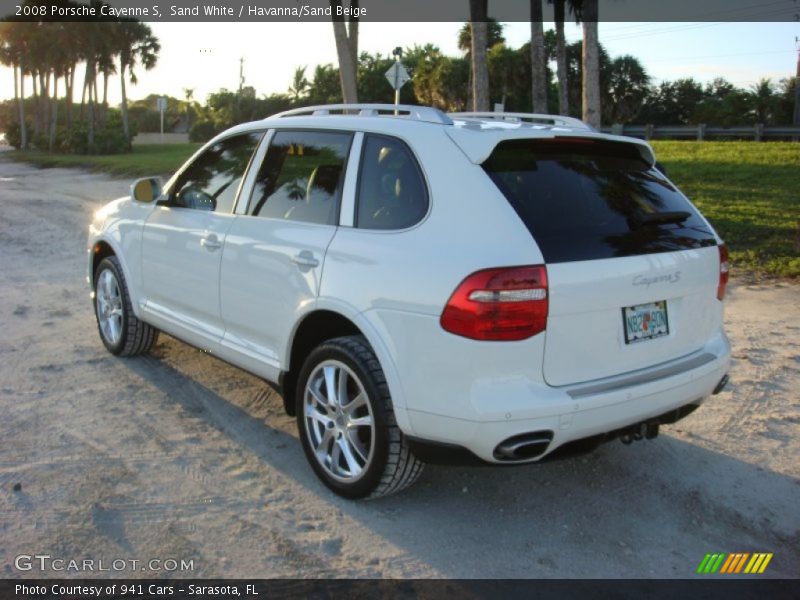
column 674, row 216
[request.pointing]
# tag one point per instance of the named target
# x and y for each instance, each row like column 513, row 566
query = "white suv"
column 426, row 287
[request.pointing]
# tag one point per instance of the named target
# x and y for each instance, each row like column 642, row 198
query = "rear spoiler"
column 478, row 144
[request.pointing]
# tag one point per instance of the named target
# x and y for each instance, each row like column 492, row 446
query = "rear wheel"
column 122, row 333
column 346, row 422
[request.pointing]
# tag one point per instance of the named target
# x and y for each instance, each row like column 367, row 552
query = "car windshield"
column 592, row 199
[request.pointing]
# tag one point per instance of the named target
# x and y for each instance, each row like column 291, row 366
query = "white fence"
column 700, row 132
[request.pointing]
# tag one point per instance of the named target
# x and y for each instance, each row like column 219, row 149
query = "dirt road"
column 180, row 456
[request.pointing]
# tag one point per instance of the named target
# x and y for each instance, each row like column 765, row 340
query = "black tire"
column 391, row 467
column 136, row 337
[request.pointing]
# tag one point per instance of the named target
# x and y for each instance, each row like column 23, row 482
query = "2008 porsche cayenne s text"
column 426, row 287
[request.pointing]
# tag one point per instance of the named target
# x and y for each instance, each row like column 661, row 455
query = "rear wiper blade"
column 674, row 216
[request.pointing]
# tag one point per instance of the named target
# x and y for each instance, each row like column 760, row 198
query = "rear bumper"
column 574, row 413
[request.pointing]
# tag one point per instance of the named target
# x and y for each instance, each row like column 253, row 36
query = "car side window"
column 391, row 190
column 301, row 177
column 212, row 180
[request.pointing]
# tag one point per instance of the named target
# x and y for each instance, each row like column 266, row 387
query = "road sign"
column 161, row 104
column 397, row 75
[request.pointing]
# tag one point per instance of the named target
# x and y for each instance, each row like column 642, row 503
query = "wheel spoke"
column 356, row 444
column 365, row 421
column 335, row 457
column 355, row 404
column 330, row 385
column 341, row 388
column 317, row 416
column 323, row 448
column 317, row 397
column 352, row 464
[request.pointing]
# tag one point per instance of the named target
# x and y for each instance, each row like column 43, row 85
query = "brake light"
column 724, row 271
column 499, row 304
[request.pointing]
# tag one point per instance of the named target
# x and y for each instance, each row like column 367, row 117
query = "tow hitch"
column 644, row 430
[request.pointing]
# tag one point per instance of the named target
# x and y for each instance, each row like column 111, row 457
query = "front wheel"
column 347, row 425
column 122, row 333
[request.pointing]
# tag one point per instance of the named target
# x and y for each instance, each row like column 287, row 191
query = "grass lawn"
column 147, row 159
column 751, row 194
column 749, row 191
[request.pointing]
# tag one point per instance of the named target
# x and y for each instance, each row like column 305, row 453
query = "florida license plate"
column 645, row 321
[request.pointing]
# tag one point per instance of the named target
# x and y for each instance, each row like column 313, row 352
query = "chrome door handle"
column 305, row 259
column 210, row 242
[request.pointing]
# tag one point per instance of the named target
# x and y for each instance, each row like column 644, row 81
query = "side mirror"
column 661, row 168
column 147, row 189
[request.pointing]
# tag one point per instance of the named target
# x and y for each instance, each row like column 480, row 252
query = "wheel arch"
column 327, row 321
column 101, row 248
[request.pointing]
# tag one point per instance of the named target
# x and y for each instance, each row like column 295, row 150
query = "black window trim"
column 168, row 196
column 417, row 166
column 274, row 131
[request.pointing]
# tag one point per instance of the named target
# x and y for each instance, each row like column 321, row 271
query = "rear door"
column 273, row 258
column 632, row 267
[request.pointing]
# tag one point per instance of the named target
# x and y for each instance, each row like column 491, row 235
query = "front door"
column 183, row 240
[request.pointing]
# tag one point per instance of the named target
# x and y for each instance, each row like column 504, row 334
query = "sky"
column 205, row 56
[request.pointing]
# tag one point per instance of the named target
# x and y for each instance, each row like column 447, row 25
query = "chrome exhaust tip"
column 524, row 446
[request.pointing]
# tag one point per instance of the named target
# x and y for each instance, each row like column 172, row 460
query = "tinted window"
column 584, row 200
column 391, row 191
column 301, row 177
column 212, row 180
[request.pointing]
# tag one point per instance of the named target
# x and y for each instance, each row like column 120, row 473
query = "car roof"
column 475, row 133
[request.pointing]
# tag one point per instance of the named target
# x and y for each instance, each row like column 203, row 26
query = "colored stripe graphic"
column 765, row 563
column 703, row 563
column 741, row 562
column 727, row 564
column 734, row 563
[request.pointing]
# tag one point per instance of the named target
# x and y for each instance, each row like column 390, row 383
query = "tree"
column 299, row 87
column 136, row 45
column 624, row 90
column 13, row 37
column 494, row 35
column 325, row 87
column 347, row 50
column 538, row 63
column 762, row 98
column 478, row 10
column 591, row 65
column 560, row 8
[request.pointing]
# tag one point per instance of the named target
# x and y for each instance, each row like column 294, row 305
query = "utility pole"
column 239, row 93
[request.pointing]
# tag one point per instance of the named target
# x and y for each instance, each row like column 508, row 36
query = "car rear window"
column 592, row 199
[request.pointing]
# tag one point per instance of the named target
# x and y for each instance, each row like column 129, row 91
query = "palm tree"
column 591, row 65
column 478, row 14
column 12, row 53
column 538, row 65
column 188, row 94
column 299, row 87
column 136, row 44
column 560, row 8
column 347, row 51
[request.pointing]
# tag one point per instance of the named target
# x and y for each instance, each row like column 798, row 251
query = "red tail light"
column 499, row 304
column 724, row 271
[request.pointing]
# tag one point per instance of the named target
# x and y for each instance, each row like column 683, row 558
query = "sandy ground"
column 180, row 456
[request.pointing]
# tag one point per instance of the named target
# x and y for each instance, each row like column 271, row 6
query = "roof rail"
column 519, row 117
column 417, row 113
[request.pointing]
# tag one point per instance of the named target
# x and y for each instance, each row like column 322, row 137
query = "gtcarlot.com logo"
column 45, row 562
column 734, row 563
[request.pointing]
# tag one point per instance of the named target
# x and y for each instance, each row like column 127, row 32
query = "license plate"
column 645, row 321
